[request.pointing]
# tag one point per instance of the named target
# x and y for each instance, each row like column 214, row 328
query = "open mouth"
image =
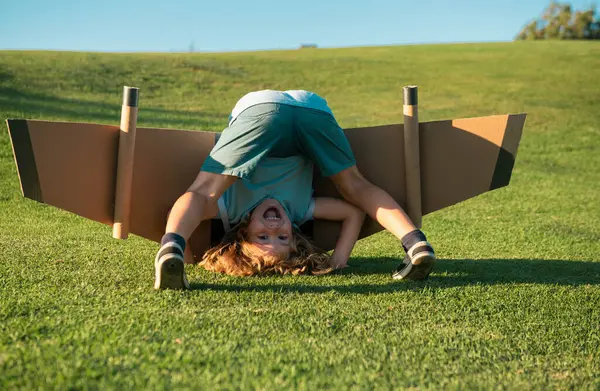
column 272, row 214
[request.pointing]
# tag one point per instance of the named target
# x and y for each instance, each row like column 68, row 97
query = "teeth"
column 272, row 218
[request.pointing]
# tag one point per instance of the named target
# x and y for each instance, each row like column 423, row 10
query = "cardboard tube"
column 125, row 162
column 411, row 153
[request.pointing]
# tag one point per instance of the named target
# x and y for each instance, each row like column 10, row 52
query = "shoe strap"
column 169, row 256
column 415, row 246
column 176, row 248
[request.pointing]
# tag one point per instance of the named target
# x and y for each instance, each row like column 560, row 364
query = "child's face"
column 270, row 228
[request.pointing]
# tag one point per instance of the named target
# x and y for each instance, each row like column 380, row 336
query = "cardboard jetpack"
column 130, row 177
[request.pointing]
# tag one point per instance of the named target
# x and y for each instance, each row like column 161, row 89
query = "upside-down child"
column 258, row 181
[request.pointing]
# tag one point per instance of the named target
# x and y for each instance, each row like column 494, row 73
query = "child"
column 258, row 178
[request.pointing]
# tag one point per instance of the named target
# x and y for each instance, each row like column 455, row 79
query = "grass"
column 513, row 304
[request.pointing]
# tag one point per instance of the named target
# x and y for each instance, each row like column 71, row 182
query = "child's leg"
column 240, row 148
column 380, row 206
column 377, row 203
column 323, row 140
column 198, row 203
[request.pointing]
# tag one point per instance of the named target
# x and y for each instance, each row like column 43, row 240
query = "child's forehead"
column 257, row 249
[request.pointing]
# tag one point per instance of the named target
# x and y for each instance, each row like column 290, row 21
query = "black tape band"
column 23, row 150
column 505, row 161
column 130, row 96
column 503, row 169
column 410, row 95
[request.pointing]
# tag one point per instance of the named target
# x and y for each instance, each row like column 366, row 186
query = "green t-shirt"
column 288, row 180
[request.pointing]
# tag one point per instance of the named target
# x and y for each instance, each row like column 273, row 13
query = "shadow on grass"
column 41, row 106
column 448, row 273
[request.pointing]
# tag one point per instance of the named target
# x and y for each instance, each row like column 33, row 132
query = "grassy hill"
column 514, row 302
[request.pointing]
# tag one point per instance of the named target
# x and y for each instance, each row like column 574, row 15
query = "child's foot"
column 170, row 273
column 417, row 264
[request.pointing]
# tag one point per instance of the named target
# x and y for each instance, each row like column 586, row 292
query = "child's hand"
column 338, row 264
column 352, row 219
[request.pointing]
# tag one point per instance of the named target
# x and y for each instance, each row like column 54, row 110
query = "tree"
column 559, row 22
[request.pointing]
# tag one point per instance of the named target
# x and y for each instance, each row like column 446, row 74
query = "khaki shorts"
column 278, row 130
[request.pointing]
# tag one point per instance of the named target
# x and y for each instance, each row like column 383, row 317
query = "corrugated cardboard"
column 73, row 166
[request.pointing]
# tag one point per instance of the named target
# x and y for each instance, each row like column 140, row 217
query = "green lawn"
column 514, row 302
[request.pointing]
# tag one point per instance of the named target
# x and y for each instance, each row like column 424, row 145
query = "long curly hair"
column 237, row 256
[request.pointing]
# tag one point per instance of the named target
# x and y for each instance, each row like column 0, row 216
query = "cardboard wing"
column 73, row 166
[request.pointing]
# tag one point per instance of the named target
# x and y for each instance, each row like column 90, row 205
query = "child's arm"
column 352, row 219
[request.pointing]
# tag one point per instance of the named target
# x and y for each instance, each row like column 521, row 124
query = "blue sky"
column 241, row 25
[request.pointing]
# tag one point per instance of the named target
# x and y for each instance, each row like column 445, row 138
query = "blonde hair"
column 236, row 256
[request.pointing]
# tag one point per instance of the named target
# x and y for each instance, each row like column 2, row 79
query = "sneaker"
column 170, row 273
column 417, row 264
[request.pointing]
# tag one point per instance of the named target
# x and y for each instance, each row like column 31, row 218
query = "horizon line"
column 299, row 47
